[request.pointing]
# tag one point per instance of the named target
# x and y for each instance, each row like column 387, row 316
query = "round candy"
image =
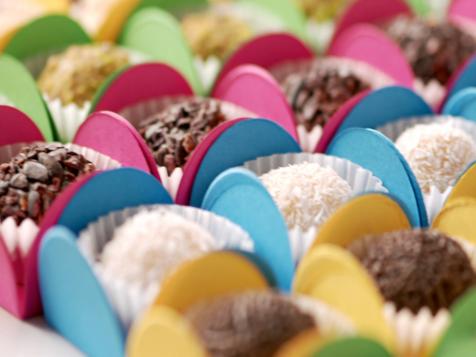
column 248, row 324
column 31, row 180
column 153, row 243
column 416, row 268
column 307, row 193
column 434, row 50
column 75, row 75
column 437, row 153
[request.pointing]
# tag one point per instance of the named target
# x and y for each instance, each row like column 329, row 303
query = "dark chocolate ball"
column 416, row 268
column 316, row 93
column 434, row 50
column 31, row 180
column 248, row 324
column 173, row 133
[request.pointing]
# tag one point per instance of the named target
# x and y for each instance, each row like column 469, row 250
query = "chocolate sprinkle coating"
column 249, row 324
column 416, row 268
column 435, row 51
column 316, row 93
column 173, row 133
column 31, row 180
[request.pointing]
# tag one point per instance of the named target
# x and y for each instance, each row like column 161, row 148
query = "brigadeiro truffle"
column 316, row 89
column 173, row 133
column 415, row 269
column 434, row 50
column 322, row 10
column 306, row 193
column 31, row 180
column 214, row 34
column 248, row 324
column 75, row 75
column 437, row 153
column 153, row 243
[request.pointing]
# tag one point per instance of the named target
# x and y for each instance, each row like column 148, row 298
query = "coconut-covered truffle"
column 416, row 268
column 153, row 243
column 434, row 50
column 31, row 180
column 211, row 33
column 173, row 133
column 248, row 324
column 316, row 91
column 307, row 193
column 75, row 75
column 437, row 153
column 322, row 10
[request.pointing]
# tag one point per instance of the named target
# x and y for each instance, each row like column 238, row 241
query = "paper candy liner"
column 417, row 334
column 374, row 77
column 330, row 322
column 5, row 101
column 320, row 33
column 19, row 239
column 137, row 113
column 359, row 179
column 207, row 70
column 67, row 118
column 433, row 92
column 130, row 300
column 434, row 200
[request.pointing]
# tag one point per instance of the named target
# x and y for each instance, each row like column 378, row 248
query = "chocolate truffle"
column 416, row 268
column 31, row 180
column 434, row 50
column 75, row 75
column 248, row 324
column 316, row 92
column 437, row 153
column 307, row 193
column 153, row 243
column 322, row 10
column 173, row 133
column 214, row 34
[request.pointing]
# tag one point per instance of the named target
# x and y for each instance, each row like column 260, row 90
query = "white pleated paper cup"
column 359, row 179
column 207, row 70
column 19, row 238
column 434, row 199
column 67, row 118
column 320, row 33
column 417, row 334
column 130, row 300
column 432, row 92
column 330, row 322
column 5, row 101
column 394, row 129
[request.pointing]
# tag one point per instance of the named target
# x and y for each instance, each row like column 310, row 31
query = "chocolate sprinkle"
column 435, row 51
column 316, row 93
column 416, row 269
column 31, row 180
column 250, row 324
column 174, row 133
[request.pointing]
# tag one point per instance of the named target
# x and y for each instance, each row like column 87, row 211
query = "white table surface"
column 32, row 338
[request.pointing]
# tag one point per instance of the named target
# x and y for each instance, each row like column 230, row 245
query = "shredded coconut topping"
column 307, row 193
column 437, row 153
column 149, row 245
